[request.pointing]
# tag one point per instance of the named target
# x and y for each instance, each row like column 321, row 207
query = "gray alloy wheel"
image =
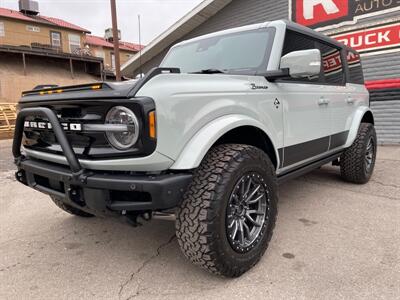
column 225, row 221
column 369, row 154
column 247, row 212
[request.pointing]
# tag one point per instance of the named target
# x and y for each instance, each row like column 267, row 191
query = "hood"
column 186, row 85
column 97, row 90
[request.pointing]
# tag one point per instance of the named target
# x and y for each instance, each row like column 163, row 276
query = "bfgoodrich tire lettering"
column 358, row 161
column 201, row 219
column 69, row 209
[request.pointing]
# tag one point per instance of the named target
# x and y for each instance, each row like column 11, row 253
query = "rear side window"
column 355, row 70
column 332, row 64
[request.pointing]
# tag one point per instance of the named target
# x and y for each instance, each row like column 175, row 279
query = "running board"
column 307, row 168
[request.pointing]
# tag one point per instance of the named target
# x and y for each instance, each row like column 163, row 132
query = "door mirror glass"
column 303, row 63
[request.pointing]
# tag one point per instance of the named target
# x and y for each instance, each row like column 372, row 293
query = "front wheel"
column 358, row 161
column 226, row 219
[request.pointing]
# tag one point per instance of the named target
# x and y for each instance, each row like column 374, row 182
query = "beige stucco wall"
column 16, row 34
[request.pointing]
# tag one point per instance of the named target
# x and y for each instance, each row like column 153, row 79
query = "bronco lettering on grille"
column 47, row 125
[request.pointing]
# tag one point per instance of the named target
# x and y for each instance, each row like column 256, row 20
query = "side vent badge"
column 276, row 103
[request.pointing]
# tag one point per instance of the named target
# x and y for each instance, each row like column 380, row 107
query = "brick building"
column 37, row 49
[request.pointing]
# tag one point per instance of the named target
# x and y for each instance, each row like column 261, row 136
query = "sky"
column 94, row 15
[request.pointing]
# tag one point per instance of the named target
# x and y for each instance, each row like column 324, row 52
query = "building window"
column 99, row 53
column 32, row 28
column 74, row 43
column 55, row 38
column 112, row 61
column 2, row 31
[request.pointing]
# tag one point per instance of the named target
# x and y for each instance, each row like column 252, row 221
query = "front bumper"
column 104, row 193
column 97, row 192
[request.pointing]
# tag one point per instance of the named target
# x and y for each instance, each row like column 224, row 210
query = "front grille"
column 89, row 145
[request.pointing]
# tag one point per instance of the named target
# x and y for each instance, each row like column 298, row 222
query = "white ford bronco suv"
column 209, row 135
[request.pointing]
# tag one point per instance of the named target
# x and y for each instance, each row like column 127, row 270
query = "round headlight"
column 126, row 135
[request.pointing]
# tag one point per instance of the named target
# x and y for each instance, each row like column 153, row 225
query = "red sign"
column 321, row 13
column 372, row 39
column 310, row 12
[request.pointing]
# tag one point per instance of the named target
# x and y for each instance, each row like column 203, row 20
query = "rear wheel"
column 357, row 162
column 70, row 209
column 226, row 219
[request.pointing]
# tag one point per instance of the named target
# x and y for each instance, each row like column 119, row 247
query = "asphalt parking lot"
column 333, row 240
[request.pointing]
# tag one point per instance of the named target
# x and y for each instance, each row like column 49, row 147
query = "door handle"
column 323, row 101
column 350, row 100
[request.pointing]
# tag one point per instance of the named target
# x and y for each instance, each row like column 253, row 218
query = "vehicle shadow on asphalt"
column 153, row 245
column 147, row 261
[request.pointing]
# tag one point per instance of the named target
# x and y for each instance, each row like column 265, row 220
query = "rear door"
column 357, row 94
column 306, row 111
column 335, row 92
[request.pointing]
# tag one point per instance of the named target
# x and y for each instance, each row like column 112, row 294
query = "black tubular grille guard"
column 58, row 131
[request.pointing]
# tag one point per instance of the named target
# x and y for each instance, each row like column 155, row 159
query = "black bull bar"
column 73, row 161
column 89, row 190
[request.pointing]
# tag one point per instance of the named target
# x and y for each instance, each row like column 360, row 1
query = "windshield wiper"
column 210, row 71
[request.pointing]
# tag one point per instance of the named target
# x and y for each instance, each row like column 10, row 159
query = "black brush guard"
column 92, row 191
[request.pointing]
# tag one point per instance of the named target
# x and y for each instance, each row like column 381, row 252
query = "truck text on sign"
column 372, row 39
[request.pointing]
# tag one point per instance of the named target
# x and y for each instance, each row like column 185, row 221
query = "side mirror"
column 303, row 63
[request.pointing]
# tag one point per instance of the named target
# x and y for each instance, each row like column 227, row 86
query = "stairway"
column 7, row 120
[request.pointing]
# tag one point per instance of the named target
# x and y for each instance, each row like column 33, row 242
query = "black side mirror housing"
column 276, row 74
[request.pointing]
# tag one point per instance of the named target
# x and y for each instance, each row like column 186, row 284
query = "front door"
column 306, row 110
column 306, row 122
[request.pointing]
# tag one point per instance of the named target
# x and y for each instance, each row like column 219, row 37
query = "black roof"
column 315, row 34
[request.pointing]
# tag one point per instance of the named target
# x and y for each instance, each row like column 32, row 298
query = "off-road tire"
column 353, row 167
column 69, row 209
column 200, row 223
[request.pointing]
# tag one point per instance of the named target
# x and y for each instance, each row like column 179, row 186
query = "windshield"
column 243, row 52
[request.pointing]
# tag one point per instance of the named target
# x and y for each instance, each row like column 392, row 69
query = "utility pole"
column 115, row 40
column 140, row 48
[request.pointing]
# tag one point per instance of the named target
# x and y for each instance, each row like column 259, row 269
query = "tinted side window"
column 296, row 42
column 332, row 64
column 355, row 69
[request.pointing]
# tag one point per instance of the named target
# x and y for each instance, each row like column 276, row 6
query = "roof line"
column 99, row 41
column 41, row 19
column 186, row 24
